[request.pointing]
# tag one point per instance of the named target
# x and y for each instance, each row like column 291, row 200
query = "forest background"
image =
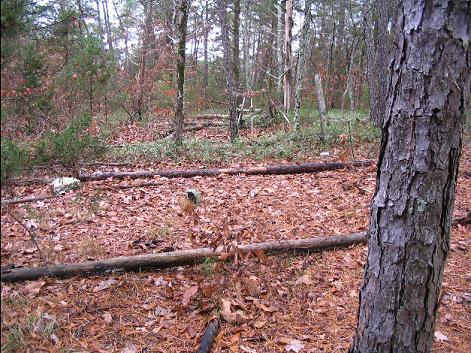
column 73, row 71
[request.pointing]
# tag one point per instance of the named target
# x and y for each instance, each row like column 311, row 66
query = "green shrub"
column 71, row 145
column 13, row 159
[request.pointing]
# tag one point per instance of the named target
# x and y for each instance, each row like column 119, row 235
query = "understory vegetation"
column 345, row 131
column 72, row 145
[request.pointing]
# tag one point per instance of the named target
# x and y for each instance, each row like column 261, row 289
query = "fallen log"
column 175, row 258
column 169, row 134
column 26, row 199
column 189, row 173
column 210, row 116
column 209, row 335
column 190, row 128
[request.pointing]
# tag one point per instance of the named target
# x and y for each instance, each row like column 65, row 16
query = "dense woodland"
column 235, row 176
column 64, row 59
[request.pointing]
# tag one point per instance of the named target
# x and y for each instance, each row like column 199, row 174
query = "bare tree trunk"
column 82, row 23
column 148, row 5
column 321, row 103
column 339, row 57
column 301, row 62
column 377, row 45
column 272, row 68
column 196, row 41
column 256, row 56
column 287, row 78
column 329, row 85
column 280, row 41
column 349, row 88
column 235, row 43
column 229, row 70
column 246, row 45
column 90, row 96
column 205, row 48
column 107, row 25
column 409, row 235
column 359, row 81
column 100, row 25
column 181, row 24
column 125, row 34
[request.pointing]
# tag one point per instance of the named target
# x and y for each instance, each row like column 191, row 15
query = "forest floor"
column 284, row 303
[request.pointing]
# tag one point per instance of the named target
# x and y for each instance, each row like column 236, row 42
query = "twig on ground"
column 17, row 218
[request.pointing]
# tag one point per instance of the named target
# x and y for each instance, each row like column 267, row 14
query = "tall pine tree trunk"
column 409, row 235
column 148, row 5
column 349, row 86
column 205, row 49
column 235, row 42
column 377, row 46
column 280, row 41
column 288, row 73
column 82, row 23
column 301, row 62
column 229, row 69
column 107, row 25
column 181, row 26
column 330, row 66
column 123, row 29
column 100, row 25
column 246, row 45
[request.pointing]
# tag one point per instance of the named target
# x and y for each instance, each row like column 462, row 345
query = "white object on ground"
column 61, row 185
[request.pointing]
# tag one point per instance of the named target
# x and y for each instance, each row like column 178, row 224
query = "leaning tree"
column 409, row 235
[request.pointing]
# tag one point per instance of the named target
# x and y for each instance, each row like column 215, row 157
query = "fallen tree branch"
column 217, row 102
column 176, row 258
column 29, row 230
column 210, row 116
column 189, row 173
column 189, row 128
column 169, row 134
column 462, row 220
column 26, row 199
column 209, row 335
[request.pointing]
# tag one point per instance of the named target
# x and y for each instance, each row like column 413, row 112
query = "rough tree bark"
column 229, row 69
column 377, row 45
column 181, row 27
column 288, row 75
column 301, row 62
column 409, row 235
